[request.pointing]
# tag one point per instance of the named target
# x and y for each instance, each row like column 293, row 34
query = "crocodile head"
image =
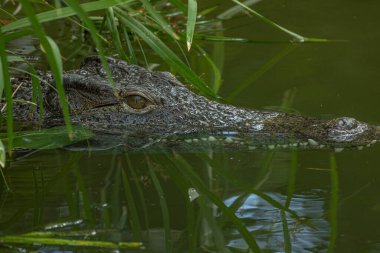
column 154, row 105
column 338, row 133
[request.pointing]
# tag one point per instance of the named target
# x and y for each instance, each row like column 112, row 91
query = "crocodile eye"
column 137, row 102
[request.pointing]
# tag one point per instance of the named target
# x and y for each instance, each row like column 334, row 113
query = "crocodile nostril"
column 377, row 133
column 347, row 123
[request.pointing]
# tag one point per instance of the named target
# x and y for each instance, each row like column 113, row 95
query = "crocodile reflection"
column 149, row 107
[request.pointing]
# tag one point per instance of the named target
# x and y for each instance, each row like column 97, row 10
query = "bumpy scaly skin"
column 175, row 112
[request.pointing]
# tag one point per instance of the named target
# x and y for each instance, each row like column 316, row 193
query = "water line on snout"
column 235, row 141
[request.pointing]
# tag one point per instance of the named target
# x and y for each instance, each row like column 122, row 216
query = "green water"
column 117, row 195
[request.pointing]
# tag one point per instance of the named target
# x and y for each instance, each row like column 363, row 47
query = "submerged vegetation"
column 139, row 32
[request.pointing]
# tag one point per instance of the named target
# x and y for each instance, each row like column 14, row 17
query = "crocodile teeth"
column 211, row 138
column 338, row 149
column 229, row 140
column 360, row 147
column 312, row 142
column 204, row 139
column 195, row 140
column 188, row 140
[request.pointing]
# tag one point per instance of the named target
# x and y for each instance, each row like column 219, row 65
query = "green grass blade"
column 4, row 75
column 292, row 177
column 212, row 234
column 35, row 82
column 56, row 54
column 179, row 4
column 8, row 14
column 35, row 85
column 134, row 217
column 5, row 84
column 83, row 190
column 132, row 54
column 50, row 138
column 2, row 155
column 163, row 51
column 112, row 26
column 94, row 35
column 117, row 211
column 183, row 185
column 36, row 88
column 17, row 34
column 241, row 199
column 218, row 55
column 69, row 199
column 266, row 170
column 286, row 233
column 334, row 199
column 139, row 189
column 39, row 193
column 164, row 208
column 54, row 59
column 191, row 19
column 159, row 19
column 26, row 240
column 217, row 76
column 207, row 11
column 63, row 13
column 201, row 187
column 2, row 165
column 296, row 36
column 53, row 232
column 319, row 40
column 234, row 10
column 142, row 52
column 106, row 219
column 261, row 71
column 218, row 38
column 191, row 227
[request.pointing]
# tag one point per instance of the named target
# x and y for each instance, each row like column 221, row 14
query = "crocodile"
column 143, row 107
